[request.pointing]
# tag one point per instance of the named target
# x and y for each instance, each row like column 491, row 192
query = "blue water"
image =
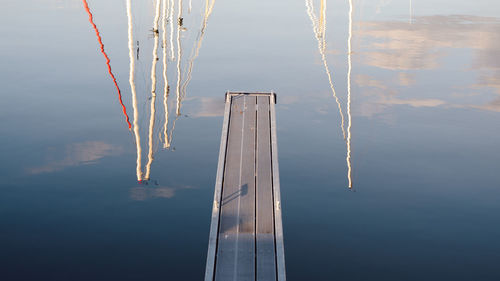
column 422, row 124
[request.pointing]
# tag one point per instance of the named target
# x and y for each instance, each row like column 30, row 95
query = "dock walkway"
column 246, row 234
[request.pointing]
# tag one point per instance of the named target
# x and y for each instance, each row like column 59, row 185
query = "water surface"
column 98, row 188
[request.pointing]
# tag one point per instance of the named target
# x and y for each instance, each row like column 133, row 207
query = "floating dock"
column 246, row 234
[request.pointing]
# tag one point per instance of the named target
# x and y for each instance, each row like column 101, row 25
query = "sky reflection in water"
column 417, row 84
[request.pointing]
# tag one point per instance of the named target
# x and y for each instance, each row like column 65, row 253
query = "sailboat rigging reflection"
column 319, row 29
column 153, row 90
column 170, row 24
column 349, row 70
column 171, row 52
column 108, row 62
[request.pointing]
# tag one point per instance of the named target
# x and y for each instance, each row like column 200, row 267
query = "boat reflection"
column 153, row 90
column 170, row 28
column 134, row 91
column 349, row 116
column 411, row 12
column 108, row 62
column 404, row 63
column 319, row 29
column 165, row 10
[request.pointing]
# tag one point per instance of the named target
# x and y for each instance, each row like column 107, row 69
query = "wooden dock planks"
column 246, row 233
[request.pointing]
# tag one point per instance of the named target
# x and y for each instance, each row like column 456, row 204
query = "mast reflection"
column 319, row 29
column 153, row 90
column 133, row 90
column 108, row 62
column 171, row 20
column 349, row 69
column 411, row 12
column 182, row 86
column 164, row 10
column 208, row 10
column 180, row 21
column 166, row 86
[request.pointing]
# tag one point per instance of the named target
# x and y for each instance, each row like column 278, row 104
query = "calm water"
column 418, row 85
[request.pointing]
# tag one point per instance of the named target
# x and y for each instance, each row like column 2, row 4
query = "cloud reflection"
column 77, row 154
column 206, row 107
column 145, row 192
column 424, row 44
column 400, row 45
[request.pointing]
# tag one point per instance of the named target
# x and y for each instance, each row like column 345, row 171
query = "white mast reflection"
column 349, row 62
column 153, row 90
column 319, row 29
column 133, row 90
column 208, row 10
column 181, row 90
column 411, row 12
column 166, row 86
column 171, row 21
column 179, row 56
column 166, row 10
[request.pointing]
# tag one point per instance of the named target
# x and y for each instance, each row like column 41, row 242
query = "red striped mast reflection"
column 99, row 39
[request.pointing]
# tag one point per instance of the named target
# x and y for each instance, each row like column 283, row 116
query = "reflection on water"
column 424, row 44
column 133, row 90
column 349, row 62
column 319, row 29
column 209, row 5
column 153, row 190
column 424, row 113
column 398, row 45
column 99, row 39
column 170, row 28
column 142, row 193
column 75, row 154
column 411, row 12
column 153, row 89
column 180, row 22
column 167, row 12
